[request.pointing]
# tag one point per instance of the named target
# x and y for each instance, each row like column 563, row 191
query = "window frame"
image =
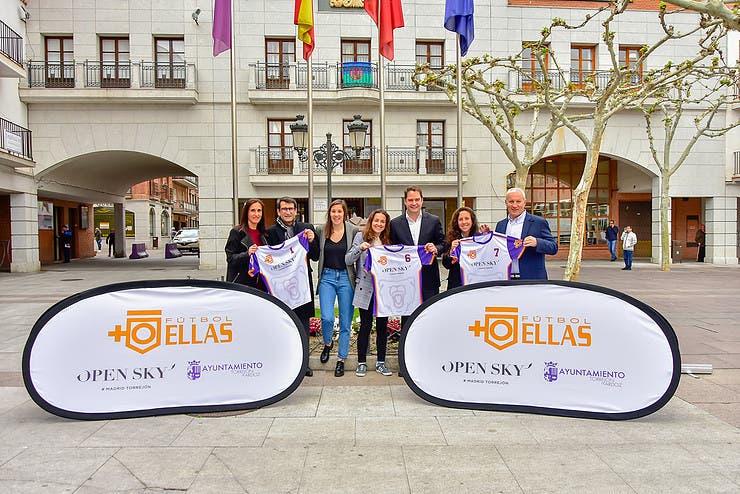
column 59, row 73
column 277, row 74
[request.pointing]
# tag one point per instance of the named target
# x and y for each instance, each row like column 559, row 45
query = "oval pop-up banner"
column 547, row 347
column 161, row 347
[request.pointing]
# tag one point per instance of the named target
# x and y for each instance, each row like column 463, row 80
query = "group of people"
column 341, row 251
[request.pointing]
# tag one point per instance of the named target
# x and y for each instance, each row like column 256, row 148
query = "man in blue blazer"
column 427, row 231
column 535, row 232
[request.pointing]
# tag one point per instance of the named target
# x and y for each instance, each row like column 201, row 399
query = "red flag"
column 391, row 17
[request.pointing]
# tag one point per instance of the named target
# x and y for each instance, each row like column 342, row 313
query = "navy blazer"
column 532, row 262
column 431, row 231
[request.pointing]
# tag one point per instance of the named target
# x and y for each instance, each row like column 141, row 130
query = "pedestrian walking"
column 111, row 240
column 629, row 240
column 612, row 233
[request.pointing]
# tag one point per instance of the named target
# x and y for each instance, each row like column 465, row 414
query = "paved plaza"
column 373, row 434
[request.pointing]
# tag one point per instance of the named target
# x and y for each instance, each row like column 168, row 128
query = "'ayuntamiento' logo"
column 146, row 330
column 499, row 328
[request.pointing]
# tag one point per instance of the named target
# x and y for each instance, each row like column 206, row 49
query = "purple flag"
column 459, row 19
column 221, row 26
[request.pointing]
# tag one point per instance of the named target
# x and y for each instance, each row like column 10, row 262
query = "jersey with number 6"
column 487, row 257
column 396, row 271
column 284, row 269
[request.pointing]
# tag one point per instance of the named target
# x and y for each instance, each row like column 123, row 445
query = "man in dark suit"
column 535, row 232
column 285, row 228
column 420, row 228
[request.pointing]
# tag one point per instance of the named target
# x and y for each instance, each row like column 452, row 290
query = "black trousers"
column 363, row 338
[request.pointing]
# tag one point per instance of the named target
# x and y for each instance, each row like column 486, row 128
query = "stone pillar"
column 720, row 218
column 655, row 222
column 119, row 218
column 24, row 233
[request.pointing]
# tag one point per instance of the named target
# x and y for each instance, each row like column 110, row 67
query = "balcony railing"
column 15, row 139
column 320, row 71
column 597, row 80
column 399, row 161
column 275, row 160
column 107, row 75
column 97, row 74
column 326, row 75
column 164, row 75
column 11, row 44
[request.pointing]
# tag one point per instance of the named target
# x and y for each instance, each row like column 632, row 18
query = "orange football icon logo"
column 473, row 254
column 268, row 258
column 382, row 260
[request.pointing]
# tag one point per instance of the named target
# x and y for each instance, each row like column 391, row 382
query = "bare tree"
column 706, row 90
column 625, row 86
column 514, row 111
column 726, row 10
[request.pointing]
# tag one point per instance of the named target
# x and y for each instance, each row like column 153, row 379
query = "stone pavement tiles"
column 365, row 439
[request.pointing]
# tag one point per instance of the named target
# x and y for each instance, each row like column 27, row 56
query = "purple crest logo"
column 551, row 371
column 194, row 369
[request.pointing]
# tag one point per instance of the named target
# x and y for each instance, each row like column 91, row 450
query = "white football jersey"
column 396, row 271
column 487, row 257
column 284, row 269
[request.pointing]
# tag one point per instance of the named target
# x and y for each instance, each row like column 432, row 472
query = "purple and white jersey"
column 284, row 269
column 487, row 257
column 396, row 271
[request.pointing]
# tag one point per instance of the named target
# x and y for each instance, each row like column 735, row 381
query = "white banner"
column 148, row 348
column 548, row 347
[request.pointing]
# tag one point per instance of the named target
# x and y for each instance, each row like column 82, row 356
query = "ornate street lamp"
column 329, row 155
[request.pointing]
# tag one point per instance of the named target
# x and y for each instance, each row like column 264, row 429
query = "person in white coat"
column 629, row 240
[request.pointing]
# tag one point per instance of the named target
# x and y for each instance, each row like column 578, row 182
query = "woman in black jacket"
column 462, row 225
column 243, row 240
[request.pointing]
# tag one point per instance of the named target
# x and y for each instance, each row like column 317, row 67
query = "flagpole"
column 310, row 214
column 381, row 84
column 234, row 152
column 459, row 125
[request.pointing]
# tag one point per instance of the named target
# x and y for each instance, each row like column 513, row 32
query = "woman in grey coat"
column 377, row 232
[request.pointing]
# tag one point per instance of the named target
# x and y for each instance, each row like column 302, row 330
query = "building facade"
column 120, row 92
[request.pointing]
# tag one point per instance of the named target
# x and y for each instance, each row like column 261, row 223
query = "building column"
column 24, row 233
column 720, row 219
column 119, row 216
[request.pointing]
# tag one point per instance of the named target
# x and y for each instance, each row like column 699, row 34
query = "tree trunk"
column 580, row 201
column 665, row 232
column 521, row 177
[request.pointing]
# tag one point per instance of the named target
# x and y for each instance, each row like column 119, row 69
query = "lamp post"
column 329, row 155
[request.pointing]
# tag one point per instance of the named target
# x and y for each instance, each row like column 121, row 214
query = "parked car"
column 188, row 240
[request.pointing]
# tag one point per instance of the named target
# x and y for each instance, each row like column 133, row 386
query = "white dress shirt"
column 415, row 227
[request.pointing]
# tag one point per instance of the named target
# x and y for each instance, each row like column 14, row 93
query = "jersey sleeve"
column 516, row 247
column 254, row 264
column 303, row 240
column 455, row 253
column 426, row 257
column 368, row 260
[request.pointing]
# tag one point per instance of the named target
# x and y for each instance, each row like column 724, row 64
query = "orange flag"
column 391, row 17
column 303, row 18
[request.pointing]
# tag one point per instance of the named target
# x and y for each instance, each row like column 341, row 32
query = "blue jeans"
column 334, row 284
column 628, row 259
column 612, row 248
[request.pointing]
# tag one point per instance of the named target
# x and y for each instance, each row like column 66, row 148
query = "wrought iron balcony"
column 96, row 74
column 399, row 161
column 334, row 75
column 16, row 140
column 11, row 44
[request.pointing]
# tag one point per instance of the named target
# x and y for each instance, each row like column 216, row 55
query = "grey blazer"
column 351, row 231
column 364, row 287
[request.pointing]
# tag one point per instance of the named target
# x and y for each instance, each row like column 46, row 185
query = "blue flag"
column 459, row 19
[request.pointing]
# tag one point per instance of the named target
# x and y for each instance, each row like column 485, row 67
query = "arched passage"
column 73, row 185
